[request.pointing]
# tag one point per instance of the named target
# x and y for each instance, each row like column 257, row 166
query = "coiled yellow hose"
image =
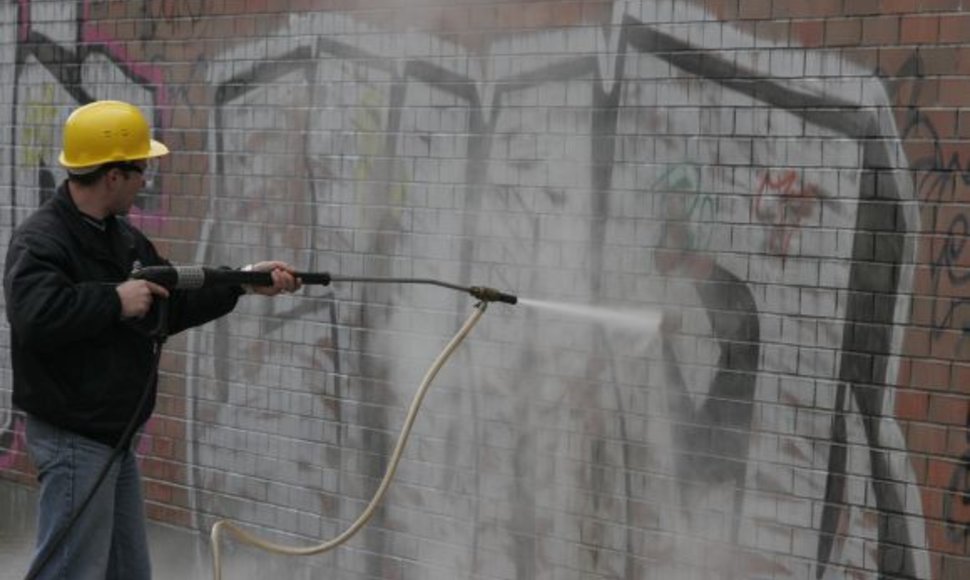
column 248, row 538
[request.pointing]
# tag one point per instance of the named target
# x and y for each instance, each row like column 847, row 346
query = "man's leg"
column 67, row 468
column 129, row 543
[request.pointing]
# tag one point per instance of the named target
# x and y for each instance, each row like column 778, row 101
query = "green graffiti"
column 687, row 205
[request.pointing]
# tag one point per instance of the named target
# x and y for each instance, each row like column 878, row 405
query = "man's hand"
column 284, row 279
column 137, row 297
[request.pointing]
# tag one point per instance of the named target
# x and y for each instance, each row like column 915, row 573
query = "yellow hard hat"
column 106, row 131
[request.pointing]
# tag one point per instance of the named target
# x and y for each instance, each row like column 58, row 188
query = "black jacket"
column 76, row 363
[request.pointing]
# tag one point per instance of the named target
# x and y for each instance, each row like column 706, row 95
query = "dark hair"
column 93, row 177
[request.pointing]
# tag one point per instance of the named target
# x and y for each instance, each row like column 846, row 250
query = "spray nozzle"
column 486, row 294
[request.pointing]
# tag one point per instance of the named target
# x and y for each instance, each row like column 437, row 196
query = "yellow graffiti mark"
column 367, row 123
column 374, row 163
column 39, row 127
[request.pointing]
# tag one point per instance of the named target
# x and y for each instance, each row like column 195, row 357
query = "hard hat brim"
column 155, row 149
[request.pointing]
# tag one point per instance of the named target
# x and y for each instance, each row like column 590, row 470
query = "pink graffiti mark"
column 784, row 204
column 24, row 17
column 154, row 79
column 11, row 443
column 150, row 75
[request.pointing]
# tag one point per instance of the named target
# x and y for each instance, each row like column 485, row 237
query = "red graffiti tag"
column 783, row 203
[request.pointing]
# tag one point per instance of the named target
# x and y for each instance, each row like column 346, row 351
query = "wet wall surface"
column 177, row 554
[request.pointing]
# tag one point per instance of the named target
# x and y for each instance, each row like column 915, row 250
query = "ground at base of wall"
column 177, row 554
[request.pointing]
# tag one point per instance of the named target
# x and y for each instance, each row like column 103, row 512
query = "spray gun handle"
column 317, row 278
column 194, row 277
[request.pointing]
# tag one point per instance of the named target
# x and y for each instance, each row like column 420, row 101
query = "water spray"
column 641, row 320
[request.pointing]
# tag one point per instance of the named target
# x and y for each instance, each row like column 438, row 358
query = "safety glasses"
column 148, row 168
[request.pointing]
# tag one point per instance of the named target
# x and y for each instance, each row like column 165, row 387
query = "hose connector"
column 486, row 294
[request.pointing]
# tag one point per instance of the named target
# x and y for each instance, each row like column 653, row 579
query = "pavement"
column 177, row 553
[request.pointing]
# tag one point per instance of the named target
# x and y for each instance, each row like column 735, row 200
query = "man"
column 84, row 339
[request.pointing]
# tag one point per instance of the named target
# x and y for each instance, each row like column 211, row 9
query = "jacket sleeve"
column 44, row 305
column 185, row 308
column 190, row 308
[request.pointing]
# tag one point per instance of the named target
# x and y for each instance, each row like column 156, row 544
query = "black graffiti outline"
column 840, row 116
column 301, row 60
column 956, row 489
column 940, row 183
column 708, row 69
column 854, row 121
column 953, row 532
column 192, row 11
column 65, row 67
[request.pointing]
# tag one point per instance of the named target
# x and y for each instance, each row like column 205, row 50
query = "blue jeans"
column 109, row 540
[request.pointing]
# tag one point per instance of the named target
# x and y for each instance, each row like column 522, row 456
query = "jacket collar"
column 91, row 240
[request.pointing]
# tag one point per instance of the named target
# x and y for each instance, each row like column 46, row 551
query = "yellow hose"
column 248, row 538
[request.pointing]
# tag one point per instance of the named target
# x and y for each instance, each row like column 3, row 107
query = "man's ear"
column 112, row 174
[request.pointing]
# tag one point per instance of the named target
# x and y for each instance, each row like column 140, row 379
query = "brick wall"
column 787, row 180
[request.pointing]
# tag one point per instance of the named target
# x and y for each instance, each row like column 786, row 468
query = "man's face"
column 124, row 183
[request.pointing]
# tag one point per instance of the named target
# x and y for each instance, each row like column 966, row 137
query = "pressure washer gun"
column 195, row 277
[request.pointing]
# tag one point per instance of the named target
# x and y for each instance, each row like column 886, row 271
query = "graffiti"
column 63, row 69
column 956, row 500
column 727, row 409
column 685, row 235
column 172, row 9
column 371, row 150
column 783, row 203
column 854, row 376
column 181, row 92
column 187, row 16
column 549, row 215
column 942, row 178
column 154, row 15
column 47, row 82
column 11, row 439
column 943, row 182
column 38, row 131
column 688, row 209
